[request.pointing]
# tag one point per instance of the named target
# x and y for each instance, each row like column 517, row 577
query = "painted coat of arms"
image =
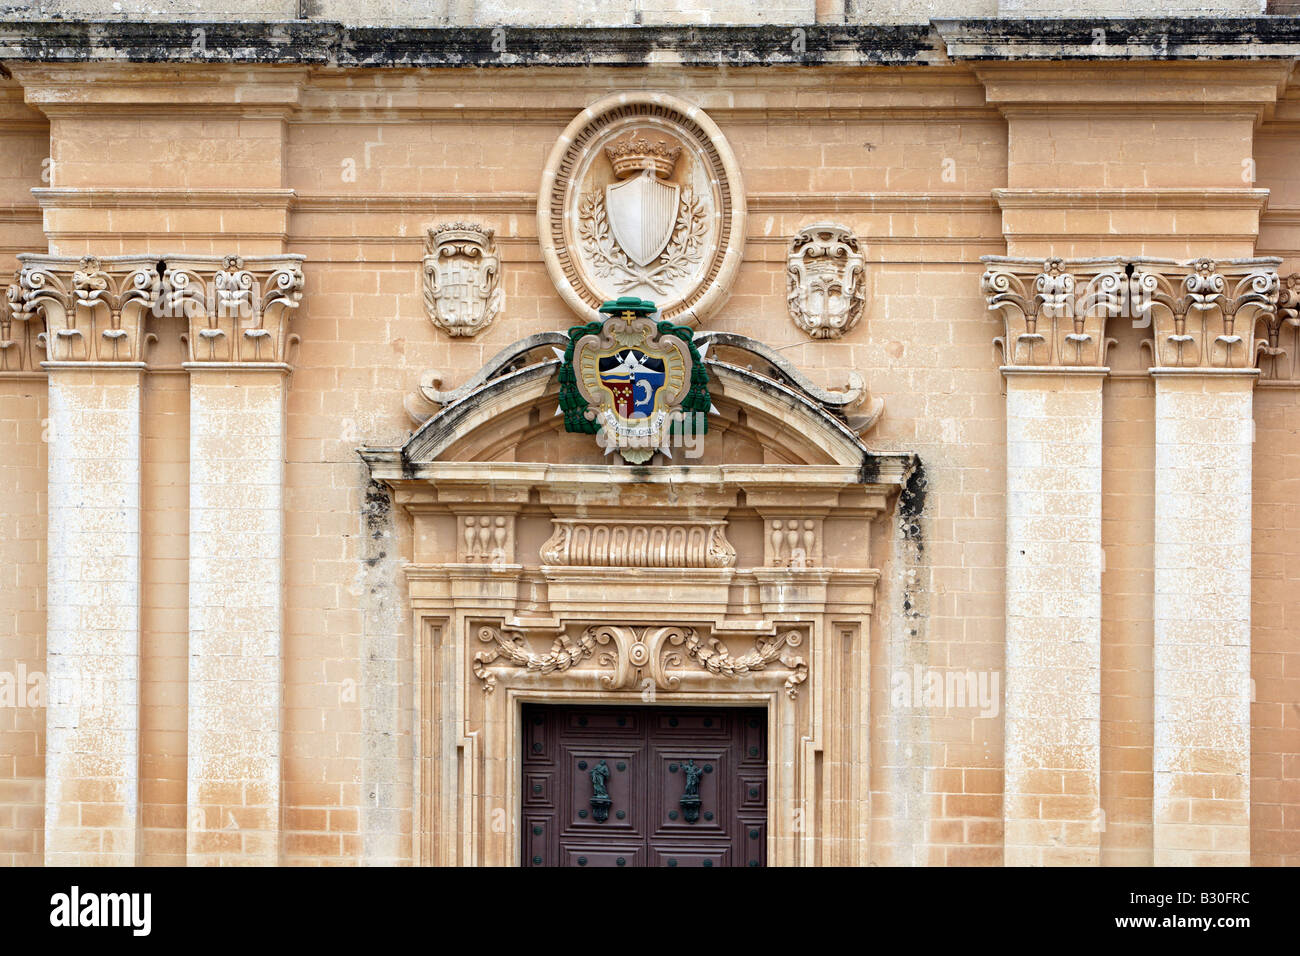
column 633, row 382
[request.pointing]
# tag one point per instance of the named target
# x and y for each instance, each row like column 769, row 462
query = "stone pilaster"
column 238, row 342
column 93, row 335
column 1203, row 317
column 1055, row 352
column 1204, row 385
column 1053, row 638
column 1204, row 445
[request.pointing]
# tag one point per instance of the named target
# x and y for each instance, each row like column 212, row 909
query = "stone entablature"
column 1203, row 314
column 234, row 310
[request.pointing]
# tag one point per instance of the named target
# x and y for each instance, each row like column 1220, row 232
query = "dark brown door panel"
column 644, row 786
column 624, row 783
column 602, row 854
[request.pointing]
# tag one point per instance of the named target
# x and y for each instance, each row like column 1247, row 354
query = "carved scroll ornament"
column 642, row 657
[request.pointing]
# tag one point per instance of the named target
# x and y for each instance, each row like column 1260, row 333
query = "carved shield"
column 642, row 211
column 462, row 289
column 457, row 291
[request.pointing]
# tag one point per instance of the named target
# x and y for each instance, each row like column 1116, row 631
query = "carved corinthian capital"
column 100, row 310
column 93, row 310
column 1202, row 314
column 237, row 308
column 1278, row 352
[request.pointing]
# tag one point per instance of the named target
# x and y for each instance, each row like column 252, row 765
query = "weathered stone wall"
column 932, row 167
column 628, row 13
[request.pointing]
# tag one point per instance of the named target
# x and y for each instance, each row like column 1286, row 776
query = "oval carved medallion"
column 642, row 197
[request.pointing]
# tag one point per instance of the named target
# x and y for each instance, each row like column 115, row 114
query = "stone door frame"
column 467, row 796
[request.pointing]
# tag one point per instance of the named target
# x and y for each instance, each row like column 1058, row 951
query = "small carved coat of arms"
column 462, row 278
column 633, row 382
column 825, row 280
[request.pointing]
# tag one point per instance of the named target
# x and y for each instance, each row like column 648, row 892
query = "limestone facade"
column 993, row 516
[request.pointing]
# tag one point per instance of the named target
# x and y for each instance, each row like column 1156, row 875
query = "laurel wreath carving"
column 683, row 252
column 563, row 655
column 714, row 657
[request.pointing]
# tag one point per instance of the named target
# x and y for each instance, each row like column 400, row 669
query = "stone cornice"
column 332, row 44
column 1193, row 197
column 1115, row 38
column 58, row 87
column 154, row 197
column 1223, row 87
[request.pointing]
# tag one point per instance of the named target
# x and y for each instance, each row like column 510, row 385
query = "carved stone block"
column 485, row 539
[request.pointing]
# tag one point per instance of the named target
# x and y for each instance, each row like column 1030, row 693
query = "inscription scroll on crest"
column 642, row 198
column 462, row 278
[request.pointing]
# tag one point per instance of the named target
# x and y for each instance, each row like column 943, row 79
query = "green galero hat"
column 629, row 303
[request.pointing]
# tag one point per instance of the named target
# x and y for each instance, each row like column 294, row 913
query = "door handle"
column 600, row 800
column 690, row 801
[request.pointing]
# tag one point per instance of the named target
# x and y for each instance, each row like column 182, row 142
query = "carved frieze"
column 641, row 658
column 511, row 646
column 462, row 278
column 638, row 543
column 825, row 285
column 642, row 197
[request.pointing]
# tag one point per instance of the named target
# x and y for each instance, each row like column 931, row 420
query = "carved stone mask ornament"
column 825, row 280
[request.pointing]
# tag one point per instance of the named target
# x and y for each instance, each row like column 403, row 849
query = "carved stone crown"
column 631, row 156
column 459, row 234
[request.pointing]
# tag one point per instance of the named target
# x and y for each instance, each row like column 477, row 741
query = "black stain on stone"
column 331, row 43
column 377, row 509
column 911, row 505
column 869, row 473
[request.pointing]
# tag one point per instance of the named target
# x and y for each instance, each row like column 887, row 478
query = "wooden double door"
column 644, row 786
